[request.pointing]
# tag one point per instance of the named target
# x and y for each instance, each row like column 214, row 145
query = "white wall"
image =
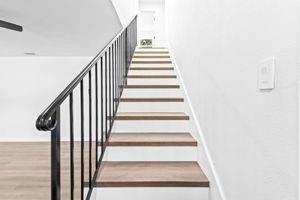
column 159, row 7
column 251, row 135
column 126, row 10
column 28, row 85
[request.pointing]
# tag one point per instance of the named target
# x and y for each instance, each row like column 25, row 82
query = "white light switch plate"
column 266, row 74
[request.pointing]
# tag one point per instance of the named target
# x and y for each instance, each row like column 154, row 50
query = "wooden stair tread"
column 152, row 99
column 151, row 86
column 151, row 116
column 152, row 139
column 151, row 76
column 151, row 174
column 151, row 68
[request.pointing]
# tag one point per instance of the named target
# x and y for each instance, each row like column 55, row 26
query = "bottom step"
column 151, row 174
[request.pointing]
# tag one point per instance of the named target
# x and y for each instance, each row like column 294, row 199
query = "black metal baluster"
column 106, row 133
column 90, row 129
column 121, row 60
column 71, row 146
column 102, row 123
column 121, row 63
column 126, row 54
column 96, row 114
column 113, row 80
column 55, row 157
column 117, row 69
column 119, row 66
column 128, row 46
column 109, row 86
column 115, row 61
column 123, row 57
column 130, row 40
column 82, row 138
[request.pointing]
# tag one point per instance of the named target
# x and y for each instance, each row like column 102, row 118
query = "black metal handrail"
column 11, row 26
column 114, row 60
column 44, row 122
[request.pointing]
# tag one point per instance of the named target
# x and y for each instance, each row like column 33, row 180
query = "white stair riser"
column 151, row 107
column 151, row 153
column 154, row 93
column 151, row 125
column 152, row 81
column 146, row 193
column 151, row 72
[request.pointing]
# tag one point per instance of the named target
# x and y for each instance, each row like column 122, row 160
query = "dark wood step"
column 152, row 139
column 151, row 76
column 151, row 174
column 151, row 86
column 152, row 99
column 151, row 116
column 151, row 68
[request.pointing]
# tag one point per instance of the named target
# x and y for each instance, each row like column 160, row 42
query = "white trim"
column 298, row 125
column 202, row 139
column 298, row 115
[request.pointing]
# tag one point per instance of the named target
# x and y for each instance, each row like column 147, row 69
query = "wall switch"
column 266, row 74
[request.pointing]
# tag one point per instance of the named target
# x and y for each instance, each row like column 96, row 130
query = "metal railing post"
column 55, row 157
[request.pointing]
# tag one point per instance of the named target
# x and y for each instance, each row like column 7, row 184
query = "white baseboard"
column 202, row 141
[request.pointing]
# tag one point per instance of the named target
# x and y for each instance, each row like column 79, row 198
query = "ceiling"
column 57, row 27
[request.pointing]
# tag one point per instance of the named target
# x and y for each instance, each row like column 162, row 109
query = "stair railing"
column 112, row 62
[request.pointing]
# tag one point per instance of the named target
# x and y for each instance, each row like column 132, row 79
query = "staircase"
column 151, row 152
column 125, row 133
